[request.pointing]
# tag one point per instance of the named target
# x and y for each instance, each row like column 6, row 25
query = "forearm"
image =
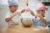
column 42, row 19
column 32, row 13
column 9, row 19
column 22, row 11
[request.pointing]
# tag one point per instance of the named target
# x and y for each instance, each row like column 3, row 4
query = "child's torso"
column 37, row 22
column 15, row 19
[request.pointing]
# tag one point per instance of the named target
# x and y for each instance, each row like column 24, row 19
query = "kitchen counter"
column 20, row 29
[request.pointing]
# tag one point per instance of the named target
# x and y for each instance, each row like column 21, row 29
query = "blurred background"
column 23, row 4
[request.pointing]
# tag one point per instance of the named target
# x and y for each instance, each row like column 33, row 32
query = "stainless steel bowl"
column 27, row 22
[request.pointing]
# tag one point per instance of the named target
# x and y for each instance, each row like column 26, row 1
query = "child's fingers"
column 29, row 9
column 15, row 13
column 24, row 10
column 39, row 15
column 43, row 24
column 35, row 16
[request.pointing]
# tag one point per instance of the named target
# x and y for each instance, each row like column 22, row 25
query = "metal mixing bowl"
column 27, row 22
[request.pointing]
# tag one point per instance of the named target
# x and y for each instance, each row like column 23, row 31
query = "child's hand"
column 43, row 24
column 15, row 13
column 35, row 16
column 10, row 18
column 39, row 15
column 24, row 10
column 42, row 19
column 28, row 9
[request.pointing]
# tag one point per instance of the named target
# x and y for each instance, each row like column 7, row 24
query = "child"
column 12, row 16
column 39, row 19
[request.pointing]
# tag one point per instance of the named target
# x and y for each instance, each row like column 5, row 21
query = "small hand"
column 35, row 16
column 29, row 9
column 43, row 24
column 24, row 10
column 15, row 13
column 39, row 15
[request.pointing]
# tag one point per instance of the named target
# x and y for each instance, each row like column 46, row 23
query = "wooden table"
column 20, row 29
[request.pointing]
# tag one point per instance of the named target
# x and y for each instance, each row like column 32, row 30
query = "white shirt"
column 15, row 19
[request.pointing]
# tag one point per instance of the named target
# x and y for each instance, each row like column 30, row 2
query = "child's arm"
column 29, row 11
column 32, row 13
column 23, row 10
column 10, row 18
column 42, row 19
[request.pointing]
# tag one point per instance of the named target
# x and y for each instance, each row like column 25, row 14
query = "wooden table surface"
column 20, row 29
